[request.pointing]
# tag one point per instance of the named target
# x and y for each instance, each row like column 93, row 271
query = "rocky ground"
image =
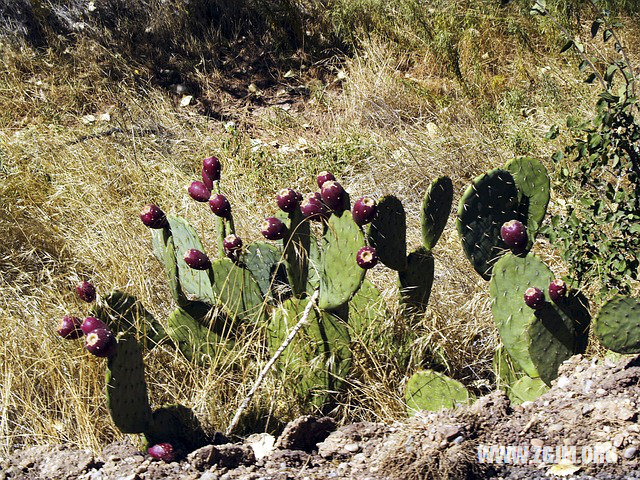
column 592, row 405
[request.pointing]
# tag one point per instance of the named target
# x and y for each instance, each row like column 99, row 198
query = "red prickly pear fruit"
column 557, row 289
column 288, row 200
column 323, row 177
column 212, row 167
column 273, row 228
column 367, row 257
column 86, row 291
column 206, row 180
column 90, row 324
column 199, row 192
column 534, row 298
column 332, row 194
column 232, row 243
column 69, row 327
column 312, row 207
column 196, row 259
column 514, row 234
column 162, row 451
column 364, row 210
column 220, row 206
column 153, row 217
column 101, row 342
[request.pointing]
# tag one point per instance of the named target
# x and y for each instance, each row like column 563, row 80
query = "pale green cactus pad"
column 315, row 263
column 237, row 290
column 416, row 281
column 265, row 263
column 388, row 233
column 196, row 284
column 195, row 341
column 436, row 207
column 318, row 360
column 366, row 310
column 164, row 251
column 507, row 371
column 340, row 274
column 295, row 245
column 126, row 389
column 429, row 390
column 617, row 325
column 526, row 389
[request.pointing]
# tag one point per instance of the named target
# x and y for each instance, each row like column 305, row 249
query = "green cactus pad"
column 126, row 388
column 507, row 371
column 436, row 207
column 315, row 263
column 489, row 202
column 195, row 341
column 264, row 261
column 340, row 274
column 533, row 186
column 196, row 284
column 617, row 325
column 177, row 425
column 318, row 359
column 164, row 250
column 238, row 290
column 388, row 233
column 123, row 313
column 366, row 310
column 295, row 245
column 526, row 389
column 429, row 390
column 416, row 281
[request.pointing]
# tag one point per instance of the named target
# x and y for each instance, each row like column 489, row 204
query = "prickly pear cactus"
column 124, row 313
column 489, row 202
column 196, row 284
column 315, row 263
column 126, row 388
column 196, row 342
column 295, row 246
column 416, row 281
column 366, row 311
column 507, row 371
column 436, row 207
column 237, row 290
column 164, row 250
column 178, row 425
column 388, row 233
column 340, row 274
column 429, row 390
column 264, row 261
column 533, row 186
column 526, row 389
column 617, row 325
column 318, row 360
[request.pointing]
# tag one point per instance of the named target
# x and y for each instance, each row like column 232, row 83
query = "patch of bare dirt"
column 591, row 405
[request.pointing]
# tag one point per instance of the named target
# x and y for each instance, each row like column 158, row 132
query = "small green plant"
column 597, row 229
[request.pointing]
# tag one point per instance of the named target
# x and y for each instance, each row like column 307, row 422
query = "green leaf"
column 595, row 26
column 590, row 78
column 583, row 65
column 606, row 35
column 566, row 46
column 609, row 98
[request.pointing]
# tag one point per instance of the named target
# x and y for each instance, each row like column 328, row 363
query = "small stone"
column 536, row 442
column 352, row 447
column 458, row 440
column 618, row 440
column 563, row 382
column 629, row 453
column 588, row 408
column 600, row 392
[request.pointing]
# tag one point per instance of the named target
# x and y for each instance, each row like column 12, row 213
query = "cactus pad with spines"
column 237, row 290
column 315, row 262
column 196, row 284
column 264, row 261
column 526, row 389
column 388, row 233
column 295, row 246
column 429, row 390
column 506, row 371
column 436, row 207
column 365, row 310
column 196, row 342
column 416, row 281
column 617, row 325
column 532, row 182
column 489, row 202
column 318, row 360
column 126, row 388
column 164, row 251
column 340, row 275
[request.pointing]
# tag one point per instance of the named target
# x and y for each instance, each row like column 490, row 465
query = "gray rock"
column 305, row 433
column 227, row 456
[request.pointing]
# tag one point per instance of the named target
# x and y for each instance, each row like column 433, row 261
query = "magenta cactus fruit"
column 557, row 289
column 220, row 206
column 90, row 324
column 367, row 257
column 206, row 180
column 196, row 259
column 101, row 342
column 534, row 298
column 86, row 291
column 332, row 194
column 273, row 228
column 162, row 451
column 153, row 217
column 288, row 200
column 312, row 207
column 232, row 243
column 324, row 177
column 199, row 192
column 364, row 210
column 69, row 327
column 514, row 234
column 211, row 167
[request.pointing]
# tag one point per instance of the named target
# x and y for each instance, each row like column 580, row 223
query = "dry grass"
column 68, row 211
